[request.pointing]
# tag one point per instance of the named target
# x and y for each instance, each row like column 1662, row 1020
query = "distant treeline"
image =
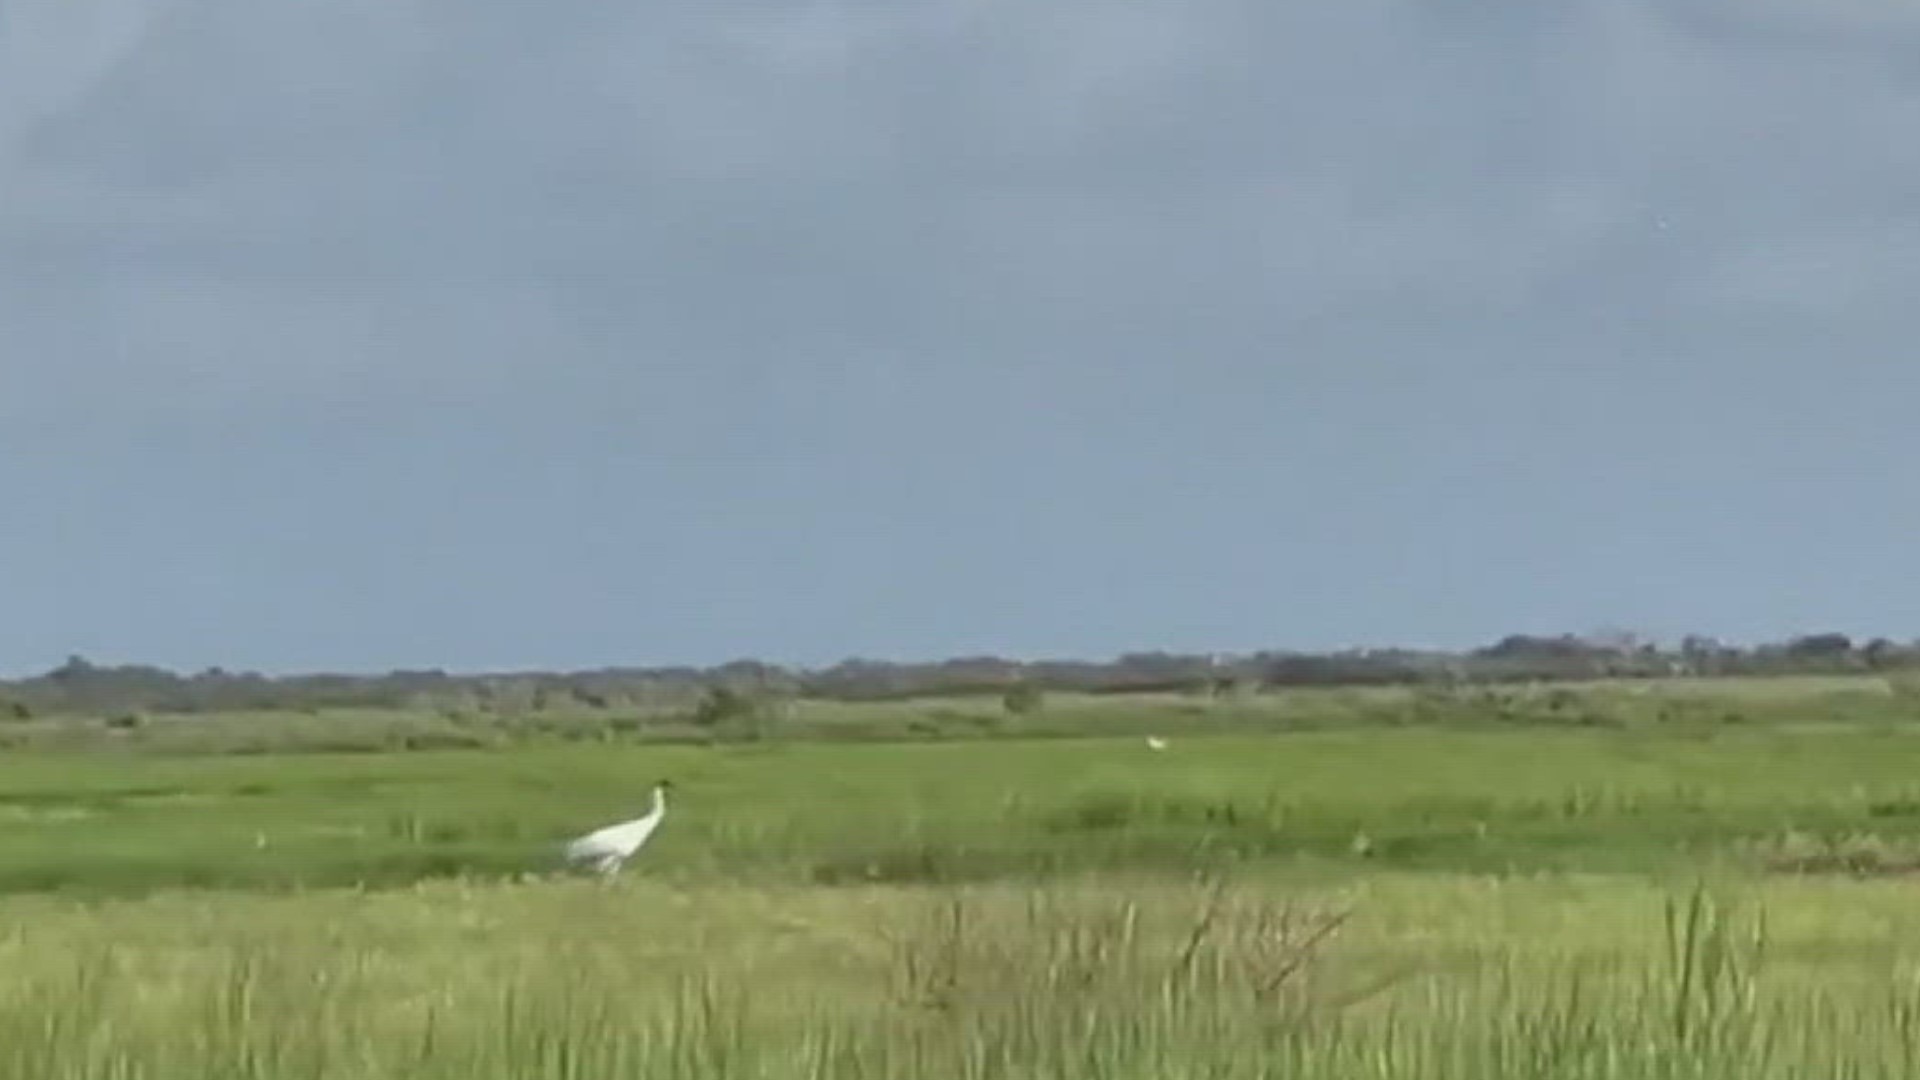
column 82, row 687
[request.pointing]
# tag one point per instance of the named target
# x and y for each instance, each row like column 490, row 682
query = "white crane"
column 606, row 849
column 1155, row 742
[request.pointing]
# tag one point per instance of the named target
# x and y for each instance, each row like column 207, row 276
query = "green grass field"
column 1658, row 897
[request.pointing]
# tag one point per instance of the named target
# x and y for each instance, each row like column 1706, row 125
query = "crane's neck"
column 659, row 800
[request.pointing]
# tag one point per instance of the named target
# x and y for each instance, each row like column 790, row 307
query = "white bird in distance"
column 606, row 850
column 1155, row 742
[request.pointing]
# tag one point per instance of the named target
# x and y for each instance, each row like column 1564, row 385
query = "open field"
column 1380, row 900
column 1497, row 802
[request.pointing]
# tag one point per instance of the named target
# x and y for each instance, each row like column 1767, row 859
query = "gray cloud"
column 53, row 55
column 210, row 204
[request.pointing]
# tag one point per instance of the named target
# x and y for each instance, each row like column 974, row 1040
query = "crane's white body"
column 607, row 849
column 1155, row 742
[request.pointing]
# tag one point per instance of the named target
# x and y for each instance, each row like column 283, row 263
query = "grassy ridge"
column 1697, row 705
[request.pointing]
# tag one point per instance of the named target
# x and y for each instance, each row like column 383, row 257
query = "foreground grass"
column 1427, row 977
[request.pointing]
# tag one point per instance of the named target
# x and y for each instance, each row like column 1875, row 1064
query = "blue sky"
column 356, row 334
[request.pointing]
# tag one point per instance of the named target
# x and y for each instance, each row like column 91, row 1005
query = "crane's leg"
column 610, row 866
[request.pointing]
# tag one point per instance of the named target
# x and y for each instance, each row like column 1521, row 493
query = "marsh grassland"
column 1439, row 897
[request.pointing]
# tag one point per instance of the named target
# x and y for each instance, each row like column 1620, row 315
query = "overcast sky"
column 355, row 334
